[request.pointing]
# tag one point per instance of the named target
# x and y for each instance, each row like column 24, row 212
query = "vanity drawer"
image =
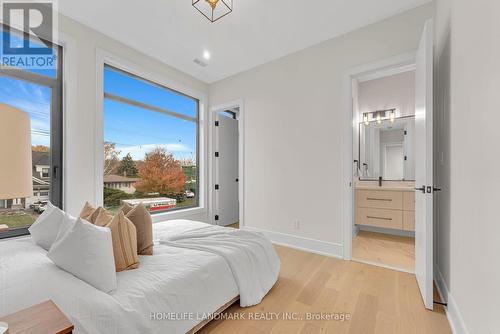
column 379, row 199
column 409, row 200
column 409, row 221
column 379, row 218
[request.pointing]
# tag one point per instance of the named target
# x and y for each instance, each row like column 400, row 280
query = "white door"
column 423, row 166
column 226, row 195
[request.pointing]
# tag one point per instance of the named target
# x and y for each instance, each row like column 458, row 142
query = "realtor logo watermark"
column 27, row 32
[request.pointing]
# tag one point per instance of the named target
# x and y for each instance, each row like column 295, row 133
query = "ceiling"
column 257, row 31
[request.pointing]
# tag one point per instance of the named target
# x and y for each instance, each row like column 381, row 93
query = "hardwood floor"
column 235, row 225
column 383, row 249
column 378, row 300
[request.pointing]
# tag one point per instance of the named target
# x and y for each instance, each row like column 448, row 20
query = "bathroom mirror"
column 386, row 148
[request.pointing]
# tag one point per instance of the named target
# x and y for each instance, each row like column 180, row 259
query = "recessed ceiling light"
column 206, row 55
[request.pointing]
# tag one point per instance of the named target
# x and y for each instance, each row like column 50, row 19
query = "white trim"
column 305, row 244
column 453, row 314
column 387, row 72
column 240, row 115
column 105, row 57
column 351, row 77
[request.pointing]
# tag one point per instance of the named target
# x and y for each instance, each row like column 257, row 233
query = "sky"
column 137, row 131
column 33, row 99
column 134, row 130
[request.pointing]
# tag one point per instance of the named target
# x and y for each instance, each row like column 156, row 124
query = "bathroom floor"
column 386, row 250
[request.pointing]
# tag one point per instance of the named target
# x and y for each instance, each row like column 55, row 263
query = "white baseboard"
column 453, row 314
column 301, row 243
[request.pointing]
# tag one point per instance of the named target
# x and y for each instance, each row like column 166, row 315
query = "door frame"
column 240, row 116
column 378, row 69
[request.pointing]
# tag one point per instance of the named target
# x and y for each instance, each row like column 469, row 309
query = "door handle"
column 436, row 189
column 422, row 189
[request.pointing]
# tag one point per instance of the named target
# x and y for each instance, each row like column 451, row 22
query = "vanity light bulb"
column 365, row 119
column 379, row 119
column 393, row 116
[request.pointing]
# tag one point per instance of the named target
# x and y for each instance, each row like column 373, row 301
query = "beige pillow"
column 141, row 218
column 103, row 218
column 126, row 208
column 124, row 238
column 87, row 211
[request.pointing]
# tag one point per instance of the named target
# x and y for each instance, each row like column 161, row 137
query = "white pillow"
column 44, row 230
column 67, row 224
column 86, row 251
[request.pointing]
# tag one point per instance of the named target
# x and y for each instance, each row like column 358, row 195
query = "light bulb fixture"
column 365, row 119
column 213, row 10
column 392, row 116
column 379, row 116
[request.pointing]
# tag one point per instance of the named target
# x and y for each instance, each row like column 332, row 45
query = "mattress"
column 171, row 292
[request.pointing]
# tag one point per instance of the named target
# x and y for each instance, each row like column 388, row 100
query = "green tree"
column 127, row 166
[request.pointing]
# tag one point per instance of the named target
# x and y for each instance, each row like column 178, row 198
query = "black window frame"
column 56, row 124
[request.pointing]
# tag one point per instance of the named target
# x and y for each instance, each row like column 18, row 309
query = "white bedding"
column 250, row 255
column 172, row 280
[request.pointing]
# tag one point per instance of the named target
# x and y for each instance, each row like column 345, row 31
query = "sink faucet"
column 380, row 181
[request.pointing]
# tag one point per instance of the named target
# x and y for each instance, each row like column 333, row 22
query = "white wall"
column 467, row 137
column 395, row 91
column 80, row 109
column 295, row 115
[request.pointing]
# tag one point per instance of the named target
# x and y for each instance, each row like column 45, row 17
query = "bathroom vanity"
column 385, row 192
column 386, row 207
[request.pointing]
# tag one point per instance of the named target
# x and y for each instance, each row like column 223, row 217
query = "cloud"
column 139, row 151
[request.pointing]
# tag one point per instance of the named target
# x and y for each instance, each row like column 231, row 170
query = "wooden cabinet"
column 409, row 200
column 386, row 208
column 379, row 199
column 409, row 220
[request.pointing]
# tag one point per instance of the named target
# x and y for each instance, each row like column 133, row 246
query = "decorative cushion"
column 141, row 218
column 87, row 211
column 45, row 229
column 67, row 224
column 124, row 238
column 86, row 251
column 103, row 218
column 126, row 208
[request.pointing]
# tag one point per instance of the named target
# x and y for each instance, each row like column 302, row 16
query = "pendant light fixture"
column 213, row 10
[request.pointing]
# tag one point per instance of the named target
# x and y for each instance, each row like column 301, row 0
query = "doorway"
column 398, row 209
column 384, row 202
column 227, row 165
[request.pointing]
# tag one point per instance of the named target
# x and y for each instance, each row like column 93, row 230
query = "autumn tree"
column 161, row 173
column 127, row 166
column 111, row 160
column 40, row 148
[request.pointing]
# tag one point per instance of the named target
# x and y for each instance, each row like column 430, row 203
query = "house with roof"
column 120, row 182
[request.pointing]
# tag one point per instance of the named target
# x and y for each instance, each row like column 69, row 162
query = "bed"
column 172, row 291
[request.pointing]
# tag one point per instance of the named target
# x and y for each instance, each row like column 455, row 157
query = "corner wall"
column 295, row 116
column 467, row 227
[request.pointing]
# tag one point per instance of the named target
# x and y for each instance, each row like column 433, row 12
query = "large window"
column 150, row 144
column 38, row 93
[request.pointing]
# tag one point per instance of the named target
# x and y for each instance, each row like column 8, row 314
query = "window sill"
column 180, row 214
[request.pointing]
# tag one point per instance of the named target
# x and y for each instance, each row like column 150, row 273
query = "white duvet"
column 251, row 257
column 188, row 283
